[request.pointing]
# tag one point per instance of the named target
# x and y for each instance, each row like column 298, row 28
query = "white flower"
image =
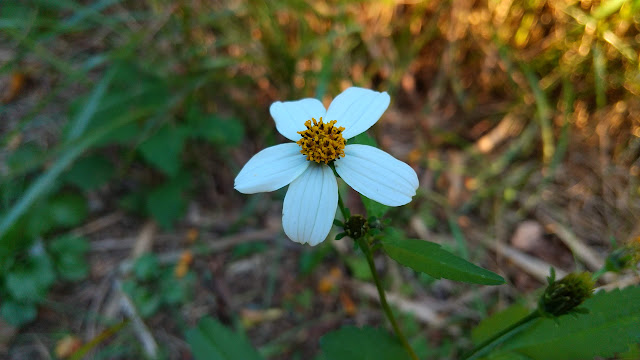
column 312, row 198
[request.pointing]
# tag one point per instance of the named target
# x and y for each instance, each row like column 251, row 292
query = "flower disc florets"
column 356, row 226
column 322, row 142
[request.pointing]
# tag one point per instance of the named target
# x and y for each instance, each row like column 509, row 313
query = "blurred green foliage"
column 608, row 328
column 139, row 103
column 153, row 286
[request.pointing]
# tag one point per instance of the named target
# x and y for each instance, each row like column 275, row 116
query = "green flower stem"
column 343, row 209
column 496, row 339
column 364, row 245
column 366, row 249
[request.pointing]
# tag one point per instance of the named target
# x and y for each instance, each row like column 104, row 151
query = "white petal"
column 291, row 115
column 271, row 169
column 377, row 175
column 357, row 109
column 310, row 205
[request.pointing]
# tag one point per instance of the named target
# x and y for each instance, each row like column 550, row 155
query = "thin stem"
column 490, row 343
column 596, row 275
column 343, row 210
column 364, row 245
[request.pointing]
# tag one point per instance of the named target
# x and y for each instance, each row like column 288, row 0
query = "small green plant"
column 152, row 286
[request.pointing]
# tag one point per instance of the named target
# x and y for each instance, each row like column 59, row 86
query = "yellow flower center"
column 322, row 142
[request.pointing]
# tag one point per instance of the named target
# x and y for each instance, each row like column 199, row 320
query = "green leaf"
column 39, row 220
column 352, row 343
column 16, row 15
column 134, row 202
column 607, row 8
column 68, row 253
column 17, row 313
column 215, row 129
column 359, row 267
column 30, row 281
column 610, row 327
column 432, row 259
column 166, row 203
column 310, row 259
column 498, row 321
column 68, row 210
column 146, row 301
column 90, row 172
column 146, row 267
column 211, row 340
column 228, row 132
column 248, row 249
column 363, row 139
column 176, row 290
column 164, row 148
column 374, row 208
column 47, row 180
column 24, row 157
column 131, row 89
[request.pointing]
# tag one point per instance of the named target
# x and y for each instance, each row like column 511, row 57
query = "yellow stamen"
column 322, row 142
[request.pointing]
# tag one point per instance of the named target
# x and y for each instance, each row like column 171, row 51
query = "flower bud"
column 356, row 226
column 563, row 296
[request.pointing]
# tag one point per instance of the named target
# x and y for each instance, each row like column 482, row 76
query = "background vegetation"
column 123, row 124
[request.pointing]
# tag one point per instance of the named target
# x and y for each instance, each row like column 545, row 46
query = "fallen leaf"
column 192, row 235
column 16, row 84
column 347, row 304
column 329, row 281
column 67, row 346
column 253, row 317
column 528, row 236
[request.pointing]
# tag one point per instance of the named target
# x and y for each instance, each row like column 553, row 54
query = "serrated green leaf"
column 632, row 353
column 497, row 322
column 352, row 343
column 68, row 253
column 164, row 148
column 90, row 172
column 17, row 313
column 211, row 340
column 610, row 327
column 432, row 259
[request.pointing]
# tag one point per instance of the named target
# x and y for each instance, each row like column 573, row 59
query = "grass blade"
column 44, row 182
